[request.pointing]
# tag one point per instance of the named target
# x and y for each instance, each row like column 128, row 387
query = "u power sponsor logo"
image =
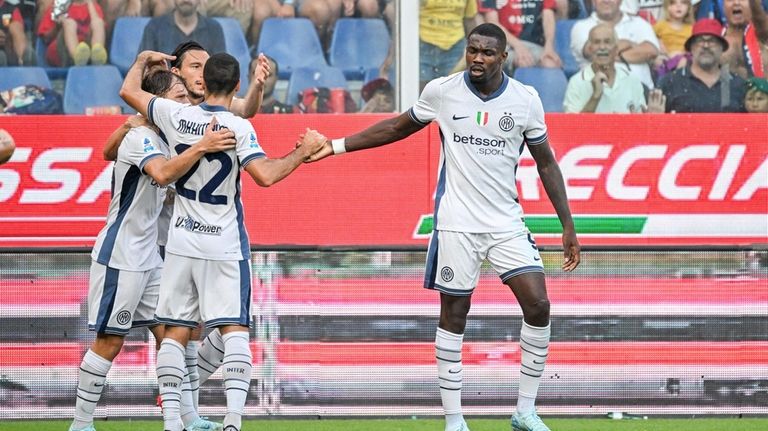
column 191, row 225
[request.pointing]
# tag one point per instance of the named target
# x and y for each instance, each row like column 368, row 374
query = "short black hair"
column 182, row 49
column 490, row 30
column 221, row 73
column 158, row 82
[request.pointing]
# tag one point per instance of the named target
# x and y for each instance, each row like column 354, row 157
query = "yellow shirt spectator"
column 441, row 22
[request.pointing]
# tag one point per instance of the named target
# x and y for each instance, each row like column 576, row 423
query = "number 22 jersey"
column 208, row 220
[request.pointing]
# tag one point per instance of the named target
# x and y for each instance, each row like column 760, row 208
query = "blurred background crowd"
column 605, row 56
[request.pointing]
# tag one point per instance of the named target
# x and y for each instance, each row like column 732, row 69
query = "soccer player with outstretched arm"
column 485, row 119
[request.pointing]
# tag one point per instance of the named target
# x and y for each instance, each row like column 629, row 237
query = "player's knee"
column 537, row 313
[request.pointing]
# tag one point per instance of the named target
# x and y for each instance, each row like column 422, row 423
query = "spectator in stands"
column 737, row 15
column 241, row 10
column 378, row 95
column 756, row 100
column 704, row 86
column 673, row 29
column 443, row 25
column 270, row 105
column 183, row 24
column 7, row 146
column 324, row 13
column 604, row 86
column 114, row 9
column 756, row 41
column 638, row 45
column 15, row 49
column 268, row 9
column 75, row 38
column 649, row 10
column 530, row 30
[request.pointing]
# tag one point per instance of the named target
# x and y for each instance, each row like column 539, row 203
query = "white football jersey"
column 129, row 239
column 207, row 220
column 482, row 139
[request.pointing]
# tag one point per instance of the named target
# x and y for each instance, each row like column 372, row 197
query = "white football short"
column 454, row 259
column 119, row 300
column 217, row 292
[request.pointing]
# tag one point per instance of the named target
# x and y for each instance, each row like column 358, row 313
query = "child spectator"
column 378, row 95
column 75, row 38
column 673, row 30
column 756, row 99
column 15, row 50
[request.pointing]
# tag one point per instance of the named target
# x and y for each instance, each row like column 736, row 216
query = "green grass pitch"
column 707, row 424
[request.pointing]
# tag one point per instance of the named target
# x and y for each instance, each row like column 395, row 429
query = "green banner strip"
column 595, row 225
column 599, row 225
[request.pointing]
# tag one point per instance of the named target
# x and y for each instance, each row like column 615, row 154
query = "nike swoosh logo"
column 536, row 258
column 460, row 118
column 454, row 372
column 98, row 385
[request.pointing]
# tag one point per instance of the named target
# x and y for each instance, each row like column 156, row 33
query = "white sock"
column 90, row 383
column 210, row 355
column 450, row 374
column 236, row 371
column 190, row 357
column 186, row 404
column 534, row 345
column 170, row 374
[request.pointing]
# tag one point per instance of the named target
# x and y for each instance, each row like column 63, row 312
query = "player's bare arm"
column 552, row 178
column 248, row 106
column 167, row 171
column 113, row 142
column 267, row 172
column 382, row 133
column 131, row 91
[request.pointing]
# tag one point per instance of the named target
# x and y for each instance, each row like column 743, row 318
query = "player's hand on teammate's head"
column 153, row 59
column 571, row 250
column 135, row 121
column 214, row 140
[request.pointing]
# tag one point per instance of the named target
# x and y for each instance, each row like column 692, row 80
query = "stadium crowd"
column 655, row 42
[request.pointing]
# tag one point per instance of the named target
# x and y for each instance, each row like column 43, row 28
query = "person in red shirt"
column 14, row 48
column 530, row 29
column 75, row 38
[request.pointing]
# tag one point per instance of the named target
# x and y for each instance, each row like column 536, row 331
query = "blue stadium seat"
column 307, row 77
column 237, row 46
column 549, row 82
column 54, row 72
column 358, row 44
column 293, row 43
column 12, row 77
column 126, row 38
column 563, row 46
column 93, row 86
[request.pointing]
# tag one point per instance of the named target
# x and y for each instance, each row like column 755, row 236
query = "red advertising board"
column 632, row 180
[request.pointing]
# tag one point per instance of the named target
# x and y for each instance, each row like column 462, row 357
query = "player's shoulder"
column 139, row 134
column 521, row 89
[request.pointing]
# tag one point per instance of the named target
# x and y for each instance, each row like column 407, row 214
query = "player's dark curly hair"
column 158, row 82
column 490, row 30
column 221, row 74
column 182, row 49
